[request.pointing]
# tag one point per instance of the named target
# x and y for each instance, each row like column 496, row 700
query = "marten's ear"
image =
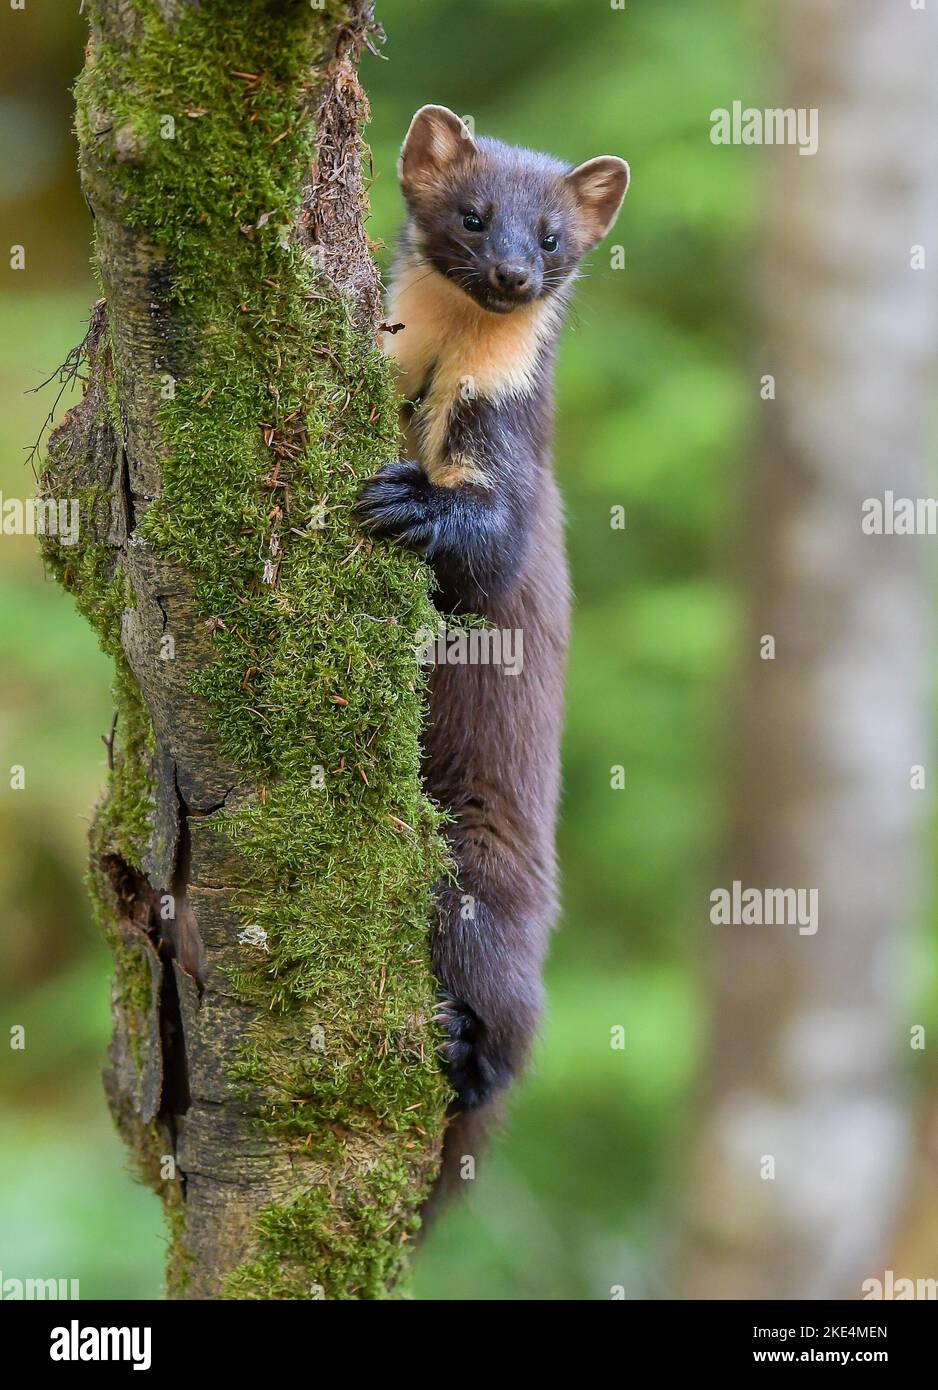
column 599, row 186
column 436, row 141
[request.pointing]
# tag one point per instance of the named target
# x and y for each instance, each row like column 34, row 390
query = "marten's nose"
column 509, row 278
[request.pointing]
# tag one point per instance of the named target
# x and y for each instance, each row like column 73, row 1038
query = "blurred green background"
column 653, row 416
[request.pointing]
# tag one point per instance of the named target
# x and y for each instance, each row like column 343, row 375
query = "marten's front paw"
column 468, row 1070
column 396, row 504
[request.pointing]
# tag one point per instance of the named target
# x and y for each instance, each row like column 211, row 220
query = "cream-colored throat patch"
column 467, row 351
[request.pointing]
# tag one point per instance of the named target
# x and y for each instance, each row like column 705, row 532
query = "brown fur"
column 493, row 243
column 457, row 345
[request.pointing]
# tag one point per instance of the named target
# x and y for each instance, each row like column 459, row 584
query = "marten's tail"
column 466, row 1137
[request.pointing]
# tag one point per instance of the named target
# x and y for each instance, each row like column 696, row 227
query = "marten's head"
column 507, row 225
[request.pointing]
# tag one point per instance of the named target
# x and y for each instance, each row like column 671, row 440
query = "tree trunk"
column 264, row 855
column 810, row 1030
column 914, row 1252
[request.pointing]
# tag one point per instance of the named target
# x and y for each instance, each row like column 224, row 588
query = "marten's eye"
column 472, row 222
column 549, row 242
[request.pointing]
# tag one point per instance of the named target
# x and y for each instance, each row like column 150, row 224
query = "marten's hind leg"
column 488, row 964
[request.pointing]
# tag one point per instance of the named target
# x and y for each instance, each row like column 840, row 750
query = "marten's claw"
column 395, row 505
column 470, row 1074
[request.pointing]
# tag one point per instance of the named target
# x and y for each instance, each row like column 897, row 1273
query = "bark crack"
column 188, row 949
column 127, row 496
column 142, row 906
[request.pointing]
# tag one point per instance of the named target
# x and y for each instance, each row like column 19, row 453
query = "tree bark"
column 264, row 856
column 809, row 1031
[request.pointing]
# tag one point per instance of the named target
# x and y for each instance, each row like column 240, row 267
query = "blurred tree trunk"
column 263, row 859
column 812, row 1033
column 914, row 1253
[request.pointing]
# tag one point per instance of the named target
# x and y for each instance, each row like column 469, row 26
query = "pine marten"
column 486, row 266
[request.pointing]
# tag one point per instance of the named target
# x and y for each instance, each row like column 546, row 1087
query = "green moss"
column 88, row 570
column 274, row 385
column 309, row 1253
column 180, row 1260
column 133, row 988
column 124, row 819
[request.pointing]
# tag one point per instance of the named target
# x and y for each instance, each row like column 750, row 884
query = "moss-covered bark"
column 264, row 855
